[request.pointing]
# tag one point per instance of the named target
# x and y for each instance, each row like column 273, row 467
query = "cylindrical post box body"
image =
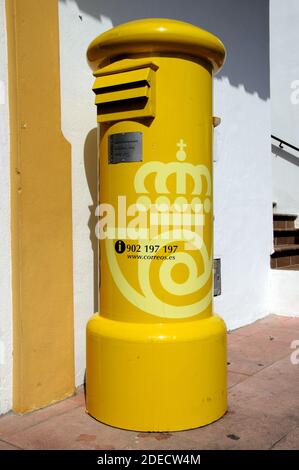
column 156, row 353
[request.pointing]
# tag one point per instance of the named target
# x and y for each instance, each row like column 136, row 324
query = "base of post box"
column 156, row 377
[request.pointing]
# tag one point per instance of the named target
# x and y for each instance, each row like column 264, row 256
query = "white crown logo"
column 182, row 170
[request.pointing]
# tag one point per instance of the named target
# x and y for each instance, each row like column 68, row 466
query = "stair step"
column 293, row 267
column 284, row 261
column 284, row 221
column 277, row 216
column 286, row 236
column 285, row 255
column 292, row 230
column 286, row 241
column 286, row 247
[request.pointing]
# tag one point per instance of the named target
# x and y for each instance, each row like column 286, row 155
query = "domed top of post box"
column 159, row 35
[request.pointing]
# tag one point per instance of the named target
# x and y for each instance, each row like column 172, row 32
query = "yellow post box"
column 156, row 352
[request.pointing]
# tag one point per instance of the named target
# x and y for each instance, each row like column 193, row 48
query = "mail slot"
column 156, row 351
column 125, row 94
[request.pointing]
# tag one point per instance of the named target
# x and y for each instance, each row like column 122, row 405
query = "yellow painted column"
column 43, row 360
column 156, row 353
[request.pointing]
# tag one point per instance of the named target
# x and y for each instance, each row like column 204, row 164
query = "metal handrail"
column 283, row 142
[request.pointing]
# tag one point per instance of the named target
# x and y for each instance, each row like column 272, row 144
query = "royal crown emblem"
column 193, row 204
column 199, row 175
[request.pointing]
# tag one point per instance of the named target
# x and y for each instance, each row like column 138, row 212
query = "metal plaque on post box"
column 125, row 147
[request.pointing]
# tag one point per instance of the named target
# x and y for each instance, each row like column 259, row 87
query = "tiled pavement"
column 263, row 405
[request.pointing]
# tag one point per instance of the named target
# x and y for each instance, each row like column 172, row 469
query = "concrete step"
column 286, row 236
column 293, row 267
column 284, row 221
column 286, row 247
column 279, row 215
column 286, row 241
column 285, row 255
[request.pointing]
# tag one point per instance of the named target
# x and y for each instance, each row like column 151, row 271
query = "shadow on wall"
column 243, row 26
column 280, row 152
column 91, row 172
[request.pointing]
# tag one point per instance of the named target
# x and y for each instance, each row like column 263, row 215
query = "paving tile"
column 289, row 442
column 263, row 405
column 5, row 446
column 233, row 378
column 72, row 430
column 252, row 353
column 270, row 321
column 12, row 422
column 76, row 430
column 281, row 321
column 242, row 366
column 282, row 334
column 79, row 398
column 237, row 430
column 272, row 332
column 263, row 347
column 256, row 396
column 248, row 330
column 283, row 375
column 160, row 441
column 290, row 322
column 232, row 339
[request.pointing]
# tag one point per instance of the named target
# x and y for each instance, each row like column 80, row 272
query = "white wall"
column 284, row 20
column 243, row 202
column 284, row 68
column 284, row 292
column 5, row 266
column 79, row 128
